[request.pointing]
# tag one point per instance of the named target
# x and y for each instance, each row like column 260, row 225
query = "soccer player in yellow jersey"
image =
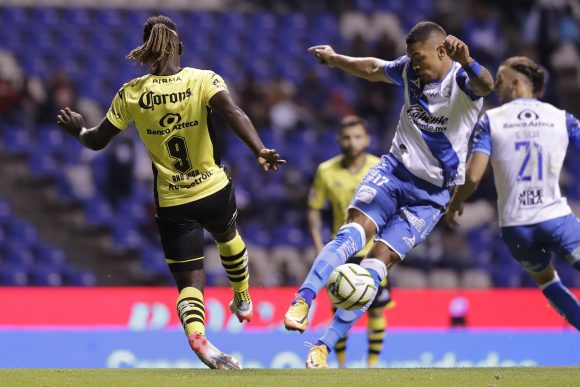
column 170, row 109
column 336, row 181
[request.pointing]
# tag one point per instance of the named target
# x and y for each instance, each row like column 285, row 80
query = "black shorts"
column 383, row 297
column 181, row 227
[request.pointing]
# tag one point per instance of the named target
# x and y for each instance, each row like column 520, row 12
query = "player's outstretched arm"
column 222, row 102
column 480, row 79
column 476, row 166
column 371, row 69
column 94, row 138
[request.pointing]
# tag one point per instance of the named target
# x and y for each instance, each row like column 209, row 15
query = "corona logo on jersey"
column 148, row 100
column 426, row 121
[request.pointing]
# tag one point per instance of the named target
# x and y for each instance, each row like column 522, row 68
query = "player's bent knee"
column 355, row 216
column 543, row 277
column 385, row 254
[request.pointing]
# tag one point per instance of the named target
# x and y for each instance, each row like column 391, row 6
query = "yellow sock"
column 191, row 310
column 340, row 351
column 376, row 334
column 234, row 259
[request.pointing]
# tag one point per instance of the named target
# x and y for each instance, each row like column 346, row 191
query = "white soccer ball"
column 350, row 287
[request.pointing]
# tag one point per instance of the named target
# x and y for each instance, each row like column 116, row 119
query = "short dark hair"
column 352, row 120
column 533, row 71
column 422, row 31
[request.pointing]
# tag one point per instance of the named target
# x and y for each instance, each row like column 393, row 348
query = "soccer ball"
column 350, row 287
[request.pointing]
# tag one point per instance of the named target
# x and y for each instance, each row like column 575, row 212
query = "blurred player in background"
column 170, row 108
column 526, row 141
column 336, row 181
column 399, row 201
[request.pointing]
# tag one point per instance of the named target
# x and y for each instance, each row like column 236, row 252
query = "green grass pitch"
column 417, row 377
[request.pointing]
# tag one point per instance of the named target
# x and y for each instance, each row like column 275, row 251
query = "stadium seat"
column 153, row 259
column 126, row 235
column 475, row 279
column 13, row 275
column 22, row 232
column 16, row 140
column 75, row 277
column 215, row 273
column 50, row 256
column 443, row 279
column 506, row 278
column 403, row 277
column 288, row 260
column 45, row 276
column 98, row 212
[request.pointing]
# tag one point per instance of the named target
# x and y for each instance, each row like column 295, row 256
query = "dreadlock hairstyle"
column 533, row 72
column 160, row 40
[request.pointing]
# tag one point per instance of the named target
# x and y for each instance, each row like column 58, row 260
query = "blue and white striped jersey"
column 435, row 123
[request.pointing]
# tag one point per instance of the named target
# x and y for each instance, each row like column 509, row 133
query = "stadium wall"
column 137, row 327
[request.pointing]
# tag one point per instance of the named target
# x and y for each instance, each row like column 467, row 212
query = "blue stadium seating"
column 233, row 43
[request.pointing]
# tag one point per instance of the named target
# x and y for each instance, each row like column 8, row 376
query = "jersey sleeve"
column 462, row 78
column 118, row 113
column 394, row 70
column 317, row 195
column 212, row 85
column 481, row 140
column 573, row 126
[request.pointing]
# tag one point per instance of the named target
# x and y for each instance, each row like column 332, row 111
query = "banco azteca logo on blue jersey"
column 426, row 121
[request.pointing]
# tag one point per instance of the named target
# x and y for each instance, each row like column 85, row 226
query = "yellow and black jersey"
column 335, row 183
column 171, row 114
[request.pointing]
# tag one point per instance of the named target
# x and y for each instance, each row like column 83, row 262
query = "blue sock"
column 344, row 319
column 341, row 323
column 306, row 294
column 349, row 240
column 563, row 301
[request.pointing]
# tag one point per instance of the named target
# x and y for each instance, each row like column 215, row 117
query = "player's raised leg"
column 182, row 240
column 351, row 238
column 234, row 257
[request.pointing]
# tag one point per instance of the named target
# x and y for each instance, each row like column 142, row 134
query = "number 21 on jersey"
column 530, row 149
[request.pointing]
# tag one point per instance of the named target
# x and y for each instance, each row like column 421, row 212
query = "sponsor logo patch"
column 366, row 194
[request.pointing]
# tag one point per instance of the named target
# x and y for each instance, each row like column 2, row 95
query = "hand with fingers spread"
column 450, row 216
column 324, row 53
column 457, row 50
column 269, row 159
column 70, row 121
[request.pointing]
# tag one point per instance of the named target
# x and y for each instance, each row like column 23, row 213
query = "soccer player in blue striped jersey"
column 170, row 109
column 526, row 140
column 399, row 201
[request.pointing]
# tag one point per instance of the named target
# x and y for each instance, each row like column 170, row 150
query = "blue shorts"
column 404, row 208
column 533, row 245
